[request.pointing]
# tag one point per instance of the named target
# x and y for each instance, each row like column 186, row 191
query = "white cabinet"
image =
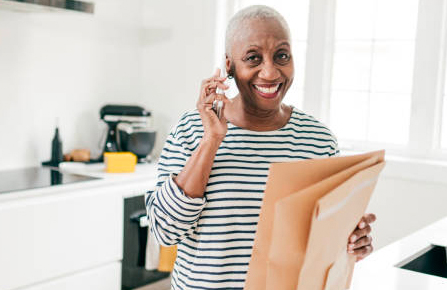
column 101, row 278
column 51, row 237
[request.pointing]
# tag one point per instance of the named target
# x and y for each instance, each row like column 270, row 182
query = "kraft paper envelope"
column 310, row 207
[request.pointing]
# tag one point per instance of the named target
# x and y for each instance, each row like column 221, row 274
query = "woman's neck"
column 249, row 117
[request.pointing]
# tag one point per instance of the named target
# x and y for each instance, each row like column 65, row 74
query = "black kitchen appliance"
column 128, row 129
column 134, row 274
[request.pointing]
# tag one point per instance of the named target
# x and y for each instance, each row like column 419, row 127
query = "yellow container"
column 167, row 258
column 120, row 162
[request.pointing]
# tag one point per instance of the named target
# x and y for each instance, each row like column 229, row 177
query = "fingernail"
column 351, row 246
column 362, row 225
column 353, row 238
column 350, row 251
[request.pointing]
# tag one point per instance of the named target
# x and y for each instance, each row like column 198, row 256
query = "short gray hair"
column 248, row 13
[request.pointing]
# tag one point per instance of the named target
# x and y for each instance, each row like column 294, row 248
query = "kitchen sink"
column 431, row 260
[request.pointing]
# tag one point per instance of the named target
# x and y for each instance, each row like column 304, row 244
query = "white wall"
column 65, row 65
column 410, row 195
column 178, row 52
column 403, row 206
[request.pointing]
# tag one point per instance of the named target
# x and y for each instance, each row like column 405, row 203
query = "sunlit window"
column 296, row 14
column 372, row 70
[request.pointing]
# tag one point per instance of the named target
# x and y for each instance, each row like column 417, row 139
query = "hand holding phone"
column 211, row 106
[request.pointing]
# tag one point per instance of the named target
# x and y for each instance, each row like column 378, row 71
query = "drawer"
column 53, row 236
column 101, row 278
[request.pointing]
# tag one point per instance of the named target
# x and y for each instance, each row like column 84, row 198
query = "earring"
column 230, row 76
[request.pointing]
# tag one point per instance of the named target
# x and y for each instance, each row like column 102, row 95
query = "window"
column 372, row 71
column 296, row 15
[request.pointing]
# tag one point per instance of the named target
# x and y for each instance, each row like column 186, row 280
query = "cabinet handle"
column 140, row 217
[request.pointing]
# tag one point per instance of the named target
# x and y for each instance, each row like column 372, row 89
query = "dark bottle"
column 56, row 149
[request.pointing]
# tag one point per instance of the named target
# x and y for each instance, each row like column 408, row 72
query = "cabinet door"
column 52, row 236
column 102, row 278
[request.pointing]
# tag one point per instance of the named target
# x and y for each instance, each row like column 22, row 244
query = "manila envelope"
column 309, row 210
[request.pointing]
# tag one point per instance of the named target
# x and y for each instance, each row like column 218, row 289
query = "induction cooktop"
column 37, row 177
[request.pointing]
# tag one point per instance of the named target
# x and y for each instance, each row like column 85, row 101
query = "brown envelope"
column 309, row 210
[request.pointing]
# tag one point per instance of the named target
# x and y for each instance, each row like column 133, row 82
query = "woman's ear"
column 227, row 65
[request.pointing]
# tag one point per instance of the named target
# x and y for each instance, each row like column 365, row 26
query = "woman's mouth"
column 268, row 91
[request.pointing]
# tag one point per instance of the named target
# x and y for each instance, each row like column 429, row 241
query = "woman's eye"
column 253, row 58
column 283, row 57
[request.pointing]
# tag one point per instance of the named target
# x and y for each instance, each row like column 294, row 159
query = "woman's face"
column 262, row 64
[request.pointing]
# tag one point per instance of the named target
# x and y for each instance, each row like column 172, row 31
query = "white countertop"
column 138, row 181
column 378, row 271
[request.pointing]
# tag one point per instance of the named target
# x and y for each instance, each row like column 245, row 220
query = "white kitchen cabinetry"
column 102, row 278
column 65, row 239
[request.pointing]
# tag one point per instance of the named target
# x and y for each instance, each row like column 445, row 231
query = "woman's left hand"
column 360, row 242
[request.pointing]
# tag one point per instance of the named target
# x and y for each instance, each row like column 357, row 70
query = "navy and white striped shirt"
column 215, row 234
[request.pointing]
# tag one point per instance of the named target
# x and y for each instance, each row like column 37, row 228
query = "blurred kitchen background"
column 67, row 65
column 373, row 70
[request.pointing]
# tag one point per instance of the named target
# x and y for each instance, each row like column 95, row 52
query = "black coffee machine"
column 128, row 129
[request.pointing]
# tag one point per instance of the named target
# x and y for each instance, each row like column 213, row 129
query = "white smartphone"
column 217, row 105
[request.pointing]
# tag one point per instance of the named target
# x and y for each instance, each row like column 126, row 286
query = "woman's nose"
column 269, row 71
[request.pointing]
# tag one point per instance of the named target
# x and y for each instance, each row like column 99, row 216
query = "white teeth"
column 269, row 90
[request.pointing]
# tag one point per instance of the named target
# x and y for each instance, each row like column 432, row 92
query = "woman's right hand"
column 215, row 129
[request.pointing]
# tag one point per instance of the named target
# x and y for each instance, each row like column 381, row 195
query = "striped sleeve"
column 172, row 214
column 308, row 121
column 335, row 151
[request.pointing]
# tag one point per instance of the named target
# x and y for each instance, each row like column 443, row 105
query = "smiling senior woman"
column 213, row 172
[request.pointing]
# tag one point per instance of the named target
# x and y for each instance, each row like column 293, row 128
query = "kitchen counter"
column 68, row 236
column 145, row 175
column 379, row 271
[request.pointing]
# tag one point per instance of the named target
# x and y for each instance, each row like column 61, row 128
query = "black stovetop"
column 36, row 177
